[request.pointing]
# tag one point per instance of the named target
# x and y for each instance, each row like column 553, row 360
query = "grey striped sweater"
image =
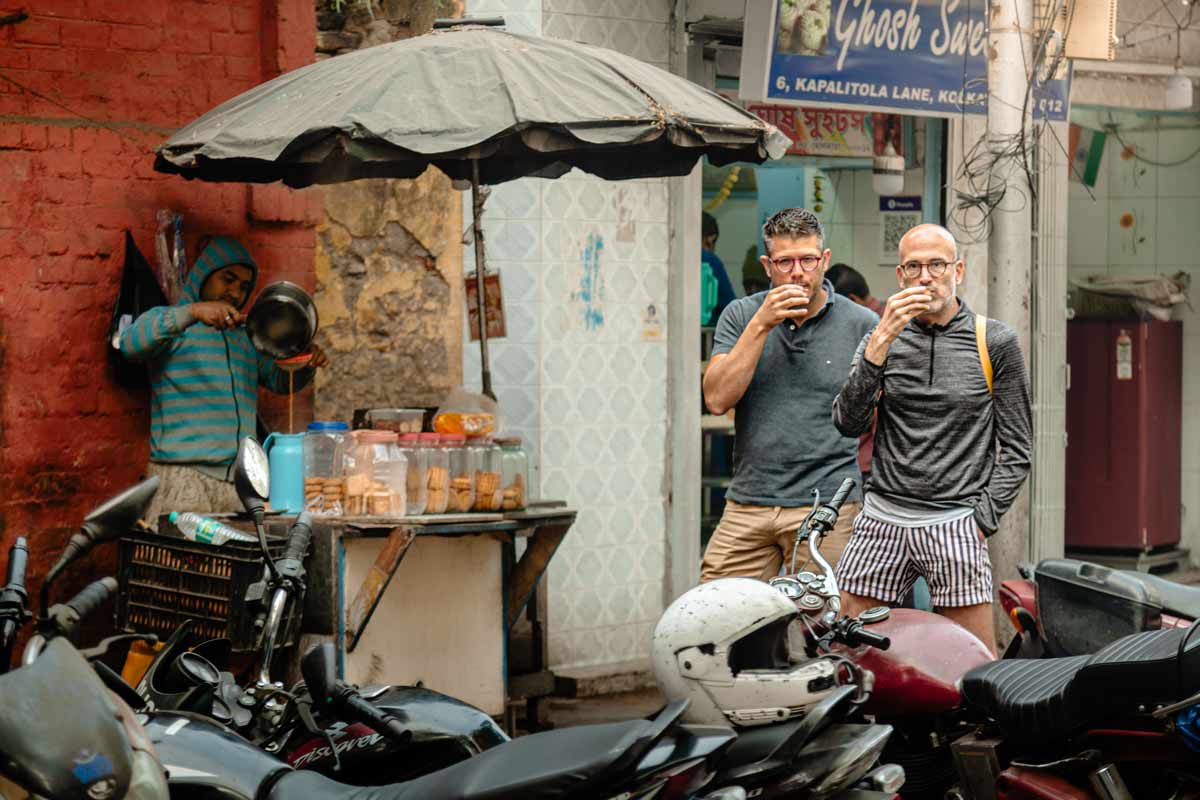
column 941, row 440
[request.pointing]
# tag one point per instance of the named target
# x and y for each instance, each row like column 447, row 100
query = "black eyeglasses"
column 912, row 269
column 788, row 263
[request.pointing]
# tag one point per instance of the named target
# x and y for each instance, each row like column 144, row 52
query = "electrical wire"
column 1133, row 151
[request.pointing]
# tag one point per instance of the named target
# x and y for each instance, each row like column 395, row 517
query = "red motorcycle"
column 1113, row 725
column 1073, row 608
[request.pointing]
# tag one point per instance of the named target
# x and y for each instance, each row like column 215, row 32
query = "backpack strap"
column 981, row 345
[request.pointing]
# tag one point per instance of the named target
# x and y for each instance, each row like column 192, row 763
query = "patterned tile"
column 580, row 259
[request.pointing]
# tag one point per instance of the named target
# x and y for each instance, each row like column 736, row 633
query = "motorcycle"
column 63, row 733
column 637, row 760
column 1068, row 607
column 1113, row 725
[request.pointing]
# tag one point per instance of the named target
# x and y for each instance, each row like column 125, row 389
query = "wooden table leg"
column 539, row 549
column 376, row 583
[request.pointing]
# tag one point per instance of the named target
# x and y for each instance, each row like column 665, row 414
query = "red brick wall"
column 88, row 89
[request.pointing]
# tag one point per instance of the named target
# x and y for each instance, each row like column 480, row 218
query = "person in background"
column 955, row 440
column 849, row 282
column 779, row 358
column 754, row 277
column 713, row 271
column 204, row 379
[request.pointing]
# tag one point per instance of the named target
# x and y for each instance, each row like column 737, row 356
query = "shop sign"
column 925, row 57
column 495, row 305
column 830, row 132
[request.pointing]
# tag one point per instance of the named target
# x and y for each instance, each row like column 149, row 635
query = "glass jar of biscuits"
column 461, row 464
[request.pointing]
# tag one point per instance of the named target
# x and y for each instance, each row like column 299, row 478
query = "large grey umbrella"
column 482, row 105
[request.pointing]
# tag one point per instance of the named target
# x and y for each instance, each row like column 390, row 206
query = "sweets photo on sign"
column 925, row 57
column 494, row 302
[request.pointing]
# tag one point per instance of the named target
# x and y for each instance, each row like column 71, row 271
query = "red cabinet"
column 1123, row 434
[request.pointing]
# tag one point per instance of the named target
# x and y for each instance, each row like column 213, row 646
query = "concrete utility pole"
column 1010, row 245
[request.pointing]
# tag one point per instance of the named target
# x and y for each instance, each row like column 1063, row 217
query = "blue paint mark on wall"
column 591, row 284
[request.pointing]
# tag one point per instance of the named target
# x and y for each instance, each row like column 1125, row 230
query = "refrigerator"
column 1124, row 407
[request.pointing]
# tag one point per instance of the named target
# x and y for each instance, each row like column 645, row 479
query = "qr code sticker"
column 893, row 226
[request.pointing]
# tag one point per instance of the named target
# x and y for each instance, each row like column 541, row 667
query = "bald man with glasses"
column 953, row 440
column 779, row 358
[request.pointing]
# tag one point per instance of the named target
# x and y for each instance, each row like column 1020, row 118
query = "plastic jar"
column 376, row 476
column 461, row 463
column 414, row 452
column 324, row 455
column 488, row 491
column 514, row 473
column 437, row 473
column 396, row 420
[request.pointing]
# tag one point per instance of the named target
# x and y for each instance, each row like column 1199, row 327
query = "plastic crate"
column 166, row 580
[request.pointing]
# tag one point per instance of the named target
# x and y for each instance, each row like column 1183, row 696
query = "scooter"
column 968, row 726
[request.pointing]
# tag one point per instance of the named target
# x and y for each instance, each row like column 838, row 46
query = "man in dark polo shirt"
column 779, row 358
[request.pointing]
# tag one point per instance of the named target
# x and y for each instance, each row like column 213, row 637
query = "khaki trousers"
column 755, row 541
column 182, row 488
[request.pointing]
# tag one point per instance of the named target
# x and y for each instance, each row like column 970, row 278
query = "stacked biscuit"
column 514, row 494
column 375, row 498
column 323, row 493
column 487, row 491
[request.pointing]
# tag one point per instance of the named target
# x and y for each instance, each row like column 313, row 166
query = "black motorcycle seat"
column 1177, row 599
column 754, row 744
column 540, row 766
column 1051, row 699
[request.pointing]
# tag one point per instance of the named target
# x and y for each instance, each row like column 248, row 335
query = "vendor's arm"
column 738, row 344
column 153, row 332
column 854, row 407
column 1014, row 430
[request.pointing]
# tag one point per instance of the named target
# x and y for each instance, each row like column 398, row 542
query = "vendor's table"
column 434, row 598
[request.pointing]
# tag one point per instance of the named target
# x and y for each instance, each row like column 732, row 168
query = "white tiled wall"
column 1165, row 203
column 581, row 259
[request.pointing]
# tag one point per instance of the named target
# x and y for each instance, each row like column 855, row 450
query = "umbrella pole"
column 480, row 295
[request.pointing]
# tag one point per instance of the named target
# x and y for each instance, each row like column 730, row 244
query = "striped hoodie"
column 203, row 382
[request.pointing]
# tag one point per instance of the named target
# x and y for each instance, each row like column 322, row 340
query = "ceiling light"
column 887, row 172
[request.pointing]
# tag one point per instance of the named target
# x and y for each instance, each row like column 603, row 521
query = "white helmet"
column 724, row 647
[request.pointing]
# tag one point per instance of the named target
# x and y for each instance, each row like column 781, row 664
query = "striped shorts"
column 882, row 561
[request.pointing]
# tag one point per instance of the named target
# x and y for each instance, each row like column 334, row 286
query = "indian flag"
column 1087, row 147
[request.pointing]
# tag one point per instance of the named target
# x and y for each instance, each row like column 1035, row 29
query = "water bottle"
column 209, row 531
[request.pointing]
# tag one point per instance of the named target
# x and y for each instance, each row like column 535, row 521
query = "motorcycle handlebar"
column 355, row 706
column 297, row 547
column 92, row 597
column 18, row 556
column 842, row 493
column 856, row 634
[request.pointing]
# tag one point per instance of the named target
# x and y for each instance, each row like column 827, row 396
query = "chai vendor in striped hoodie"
column 204, row 379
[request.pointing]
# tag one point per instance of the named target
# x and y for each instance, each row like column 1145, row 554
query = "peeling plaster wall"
column 389, row 279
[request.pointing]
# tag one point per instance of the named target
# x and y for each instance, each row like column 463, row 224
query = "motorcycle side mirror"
column 117, row 515
column 252, row 479
column 319, row 668
column 252, row 476
column 110, row 520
